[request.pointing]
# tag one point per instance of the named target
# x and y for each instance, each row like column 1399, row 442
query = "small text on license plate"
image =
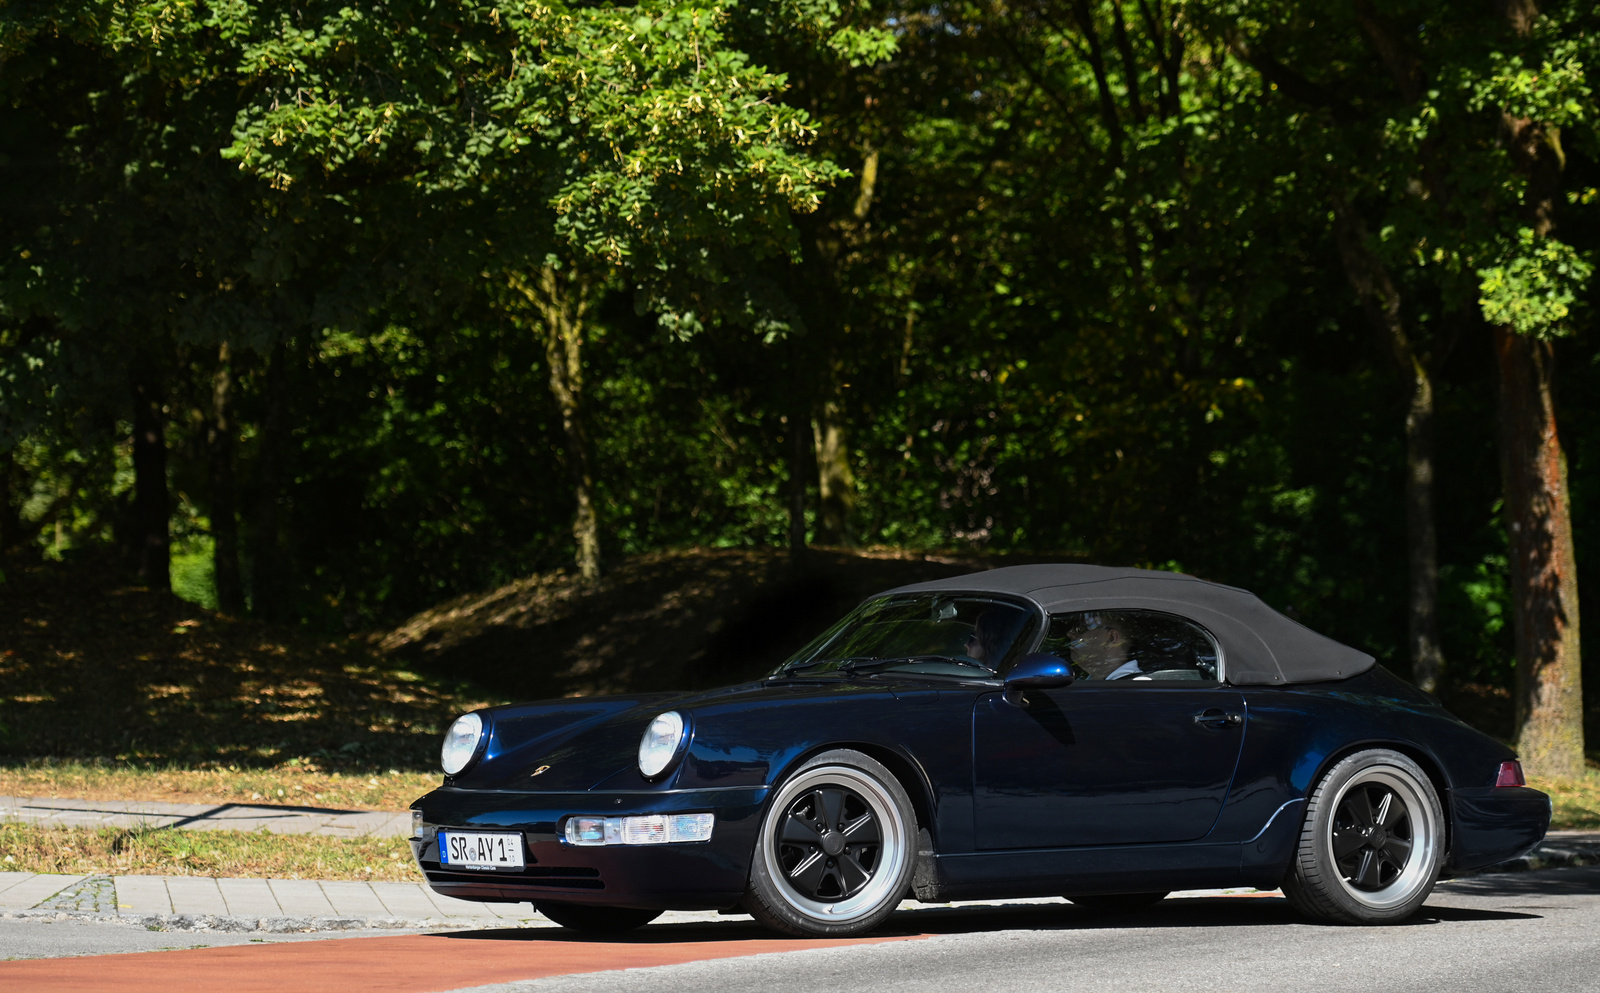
column 480, row 851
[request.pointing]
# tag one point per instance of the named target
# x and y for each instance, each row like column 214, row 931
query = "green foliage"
column 193, row 571
column 1063, row 277
column 1534, row 288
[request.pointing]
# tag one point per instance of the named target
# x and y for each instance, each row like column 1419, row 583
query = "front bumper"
column 707, row 875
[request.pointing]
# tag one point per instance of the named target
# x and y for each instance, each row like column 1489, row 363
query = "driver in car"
column 992, row 635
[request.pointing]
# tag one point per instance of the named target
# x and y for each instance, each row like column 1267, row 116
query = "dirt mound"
column 669, row 620
column 93, row 667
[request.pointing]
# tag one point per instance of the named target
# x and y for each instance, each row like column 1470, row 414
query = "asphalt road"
column 1492, row 934
column 1515, row 933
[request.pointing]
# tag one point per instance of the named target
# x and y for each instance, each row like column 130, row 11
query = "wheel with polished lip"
column 834, row 855
column 596, row 920
column 1372, row 843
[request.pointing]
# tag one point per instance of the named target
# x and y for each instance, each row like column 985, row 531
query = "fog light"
column 646, row 829
column 586, row 830
column 416, row 824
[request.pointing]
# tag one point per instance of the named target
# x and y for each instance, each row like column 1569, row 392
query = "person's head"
column 991, row 635
column 1098, row 646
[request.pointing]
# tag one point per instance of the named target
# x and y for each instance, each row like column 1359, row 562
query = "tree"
column 1453, row 137
column 583, row 138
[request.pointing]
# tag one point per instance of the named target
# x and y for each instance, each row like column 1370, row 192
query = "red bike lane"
column 424, row 963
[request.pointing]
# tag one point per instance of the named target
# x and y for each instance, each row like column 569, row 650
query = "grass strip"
column 1576, row 802
column 239, row 854
column 292, row 784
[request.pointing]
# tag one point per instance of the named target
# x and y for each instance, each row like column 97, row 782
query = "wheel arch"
column 1424, row 759
column 910, row 774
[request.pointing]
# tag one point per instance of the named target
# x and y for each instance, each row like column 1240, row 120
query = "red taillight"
column 1510, row 774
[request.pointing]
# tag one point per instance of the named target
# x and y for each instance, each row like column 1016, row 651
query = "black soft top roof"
column 1260, row 646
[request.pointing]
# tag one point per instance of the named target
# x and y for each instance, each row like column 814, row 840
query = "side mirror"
column 1039, row 671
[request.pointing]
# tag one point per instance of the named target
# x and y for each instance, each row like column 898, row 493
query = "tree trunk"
column 562, row 301
column 269, row 580
column 1380, row 299
column 836, row 483
column 799, row 423
column 1544, row 576
column 10, row 509
column 224, row 516
column 151, row 504
column 1422, row 541
column 816, row 372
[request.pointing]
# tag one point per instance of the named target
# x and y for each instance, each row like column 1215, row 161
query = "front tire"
column 834, row 855
column 596, row 920
column 1372, row 843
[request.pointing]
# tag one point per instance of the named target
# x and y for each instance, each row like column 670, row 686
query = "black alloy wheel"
column 828, row 844
column 1372, row 842
column 835, row 852
column 1371, row 836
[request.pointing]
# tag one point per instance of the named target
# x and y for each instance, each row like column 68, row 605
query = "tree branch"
column 1294, row 86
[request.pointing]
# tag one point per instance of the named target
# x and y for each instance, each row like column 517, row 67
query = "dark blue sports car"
column 1107, row 735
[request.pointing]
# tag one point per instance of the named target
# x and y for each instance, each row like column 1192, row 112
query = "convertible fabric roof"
column 1260, row 646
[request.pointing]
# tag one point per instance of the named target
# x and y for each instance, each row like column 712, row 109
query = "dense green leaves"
column 1057, row 278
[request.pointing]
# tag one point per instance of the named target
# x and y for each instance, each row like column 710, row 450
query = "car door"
column 1140, row 750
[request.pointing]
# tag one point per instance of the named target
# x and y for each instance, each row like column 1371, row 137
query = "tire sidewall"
column 1318, row 871
column 771, row 900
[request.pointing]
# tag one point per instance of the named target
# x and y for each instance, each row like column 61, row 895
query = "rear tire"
column 834, row 856
column 596, row 920
column 1372, row 843
column 1117, row 903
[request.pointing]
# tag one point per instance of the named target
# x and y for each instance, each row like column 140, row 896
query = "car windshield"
column 933, row 634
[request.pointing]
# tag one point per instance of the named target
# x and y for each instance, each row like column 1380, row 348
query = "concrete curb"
column 150, row 814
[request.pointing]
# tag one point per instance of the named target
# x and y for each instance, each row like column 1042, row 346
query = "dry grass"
column 294, row 783
column 1576, row 801
column 158, row 852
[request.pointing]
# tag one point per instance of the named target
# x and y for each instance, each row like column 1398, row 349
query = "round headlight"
column 460, row 742
column 660, row 743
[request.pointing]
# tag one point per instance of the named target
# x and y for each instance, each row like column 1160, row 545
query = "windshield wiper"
column 867, row 665
column 845, row 664
column 950, row 659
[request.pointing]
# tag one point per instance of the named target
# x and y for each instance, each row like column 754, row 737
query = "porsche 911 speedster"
column 1107, row 735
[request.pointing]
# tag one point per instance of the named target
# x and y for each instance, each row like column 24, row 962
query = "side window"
column 1134, row 645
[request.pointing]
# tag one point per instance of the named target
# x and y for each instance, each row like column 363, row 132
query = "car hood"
column 580, row 744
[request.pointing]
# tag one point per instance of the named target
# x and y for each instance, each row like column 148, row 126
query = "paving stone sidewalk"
column 205, row 816
column 288, row 905
column 276, row 905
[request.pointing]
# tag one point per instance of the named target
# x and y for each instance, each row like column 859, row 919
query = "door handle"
column 1216, row 718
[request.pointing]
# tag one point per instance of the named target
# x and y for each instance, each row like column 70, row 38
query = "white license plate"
column 480, row 851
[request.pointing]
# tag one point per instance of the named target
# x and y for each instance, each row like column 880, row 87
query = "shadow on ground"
column 94, row 668
column 1198, row 912
column 1577, row 881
